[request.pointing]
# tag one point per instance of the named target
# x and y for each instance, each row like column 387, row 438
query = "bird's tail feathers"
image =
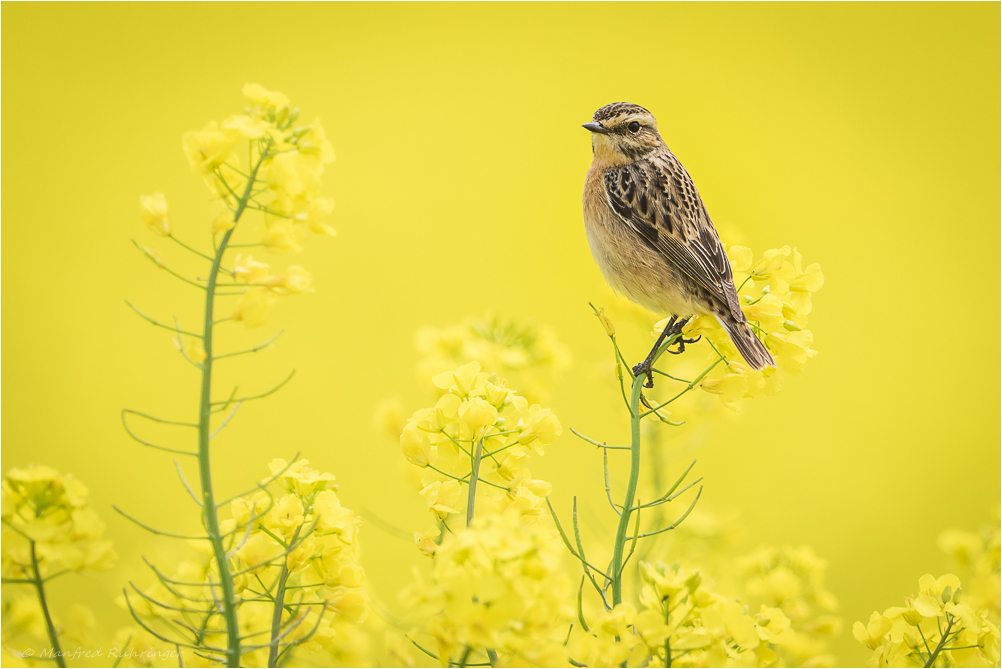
column 750, row 346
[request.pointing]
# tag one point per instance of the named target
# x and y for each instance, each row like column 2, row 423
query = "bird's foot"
column 682, row 341
column 644, row 369
column 672, row 329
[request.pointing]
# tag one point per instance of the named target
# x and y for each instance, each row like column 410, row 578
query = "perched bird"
column 649, row 230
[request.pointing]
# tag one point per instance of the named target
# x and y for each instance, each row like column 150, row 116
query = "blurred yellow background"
column 867, row 135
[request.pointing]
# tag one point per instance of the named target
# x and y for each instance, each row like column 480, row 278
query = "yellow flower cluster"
column 979, row 553
column 792, row 580
column 297, row 546
column 497, row 587
column 263, row 288
column 684, row 622
column 49, row 524
column 289, row 163
column 936, row 628
column 479, row 422
column 527, row 354
column 776, row 296
column 280, row 181
column 24, row 628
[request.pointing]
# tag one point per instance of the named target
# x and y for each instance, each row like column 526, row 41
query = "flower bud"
column 153, row 255
column 607, row 325
column 496, row 394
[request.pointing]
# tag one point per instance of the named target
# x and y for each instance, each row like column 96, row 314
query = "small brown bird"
column 650, row 233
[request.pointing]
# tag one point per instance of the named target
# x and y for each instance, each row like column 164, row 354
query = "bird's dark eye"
column 634, row 127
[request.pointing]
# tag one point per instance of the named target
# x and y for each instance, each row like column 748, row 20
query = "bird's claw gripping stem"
column 673, row 328
column 682, row 341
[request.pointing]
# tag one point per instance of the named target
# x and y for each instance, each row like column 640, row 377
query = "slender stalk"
column 470, row 506
column 942, row 642
column 276, row 618
column 615, row 572
column 39, row 583
column 474, row 477
column 666, row 604
column 210, row 516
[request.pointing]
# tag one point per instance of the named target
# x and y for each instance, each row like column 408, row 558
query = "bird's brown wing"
column 657, row 199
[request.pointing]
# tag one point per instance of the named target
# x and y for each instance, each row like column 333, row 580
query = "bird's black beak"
column 596, row 128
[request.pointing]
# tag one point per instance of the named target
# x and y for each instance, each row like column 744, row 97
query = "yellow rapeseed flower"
column 154, row 210
column 209, row 148
column 497, row 585
column 937, row 627
column 253, row 306
column 248, row 270
column 296, row 280
column 265, row 99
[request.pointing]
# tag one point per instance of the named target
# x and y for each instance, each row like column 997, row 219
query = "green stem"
column 474, row 477
column 211, row 517
column 40, row 588
column 942, row 642
column 631, row 491
column 276, row 618
column 205, row 472
column 667, row 638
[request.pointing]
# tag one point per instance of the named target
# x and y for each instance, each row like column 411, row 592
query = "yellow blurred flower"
column 334, row 518
column 286, row 515
column 248, row 270
column 978, row 553
column 529, row 355
column 154, row 210
column 740, row 258
column 280, row 237
column 442, row 498
column 319, row 208
column 248, row 127
column 300, row 478
column 730, row 387
column 540, row 428
column 253, row 307
column 209, row 148
column 50, row 525
column 222, row 222
column 265, row 99
column 426, row 541
column 296, row 280
column 192, row 348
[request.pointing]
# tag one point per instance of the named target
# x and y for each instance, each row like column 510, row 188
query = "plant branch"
column 631, row 491
column 43, row 603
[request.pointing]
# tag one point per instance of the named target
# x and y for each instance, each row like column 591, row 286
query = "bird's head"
column 623, row 132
